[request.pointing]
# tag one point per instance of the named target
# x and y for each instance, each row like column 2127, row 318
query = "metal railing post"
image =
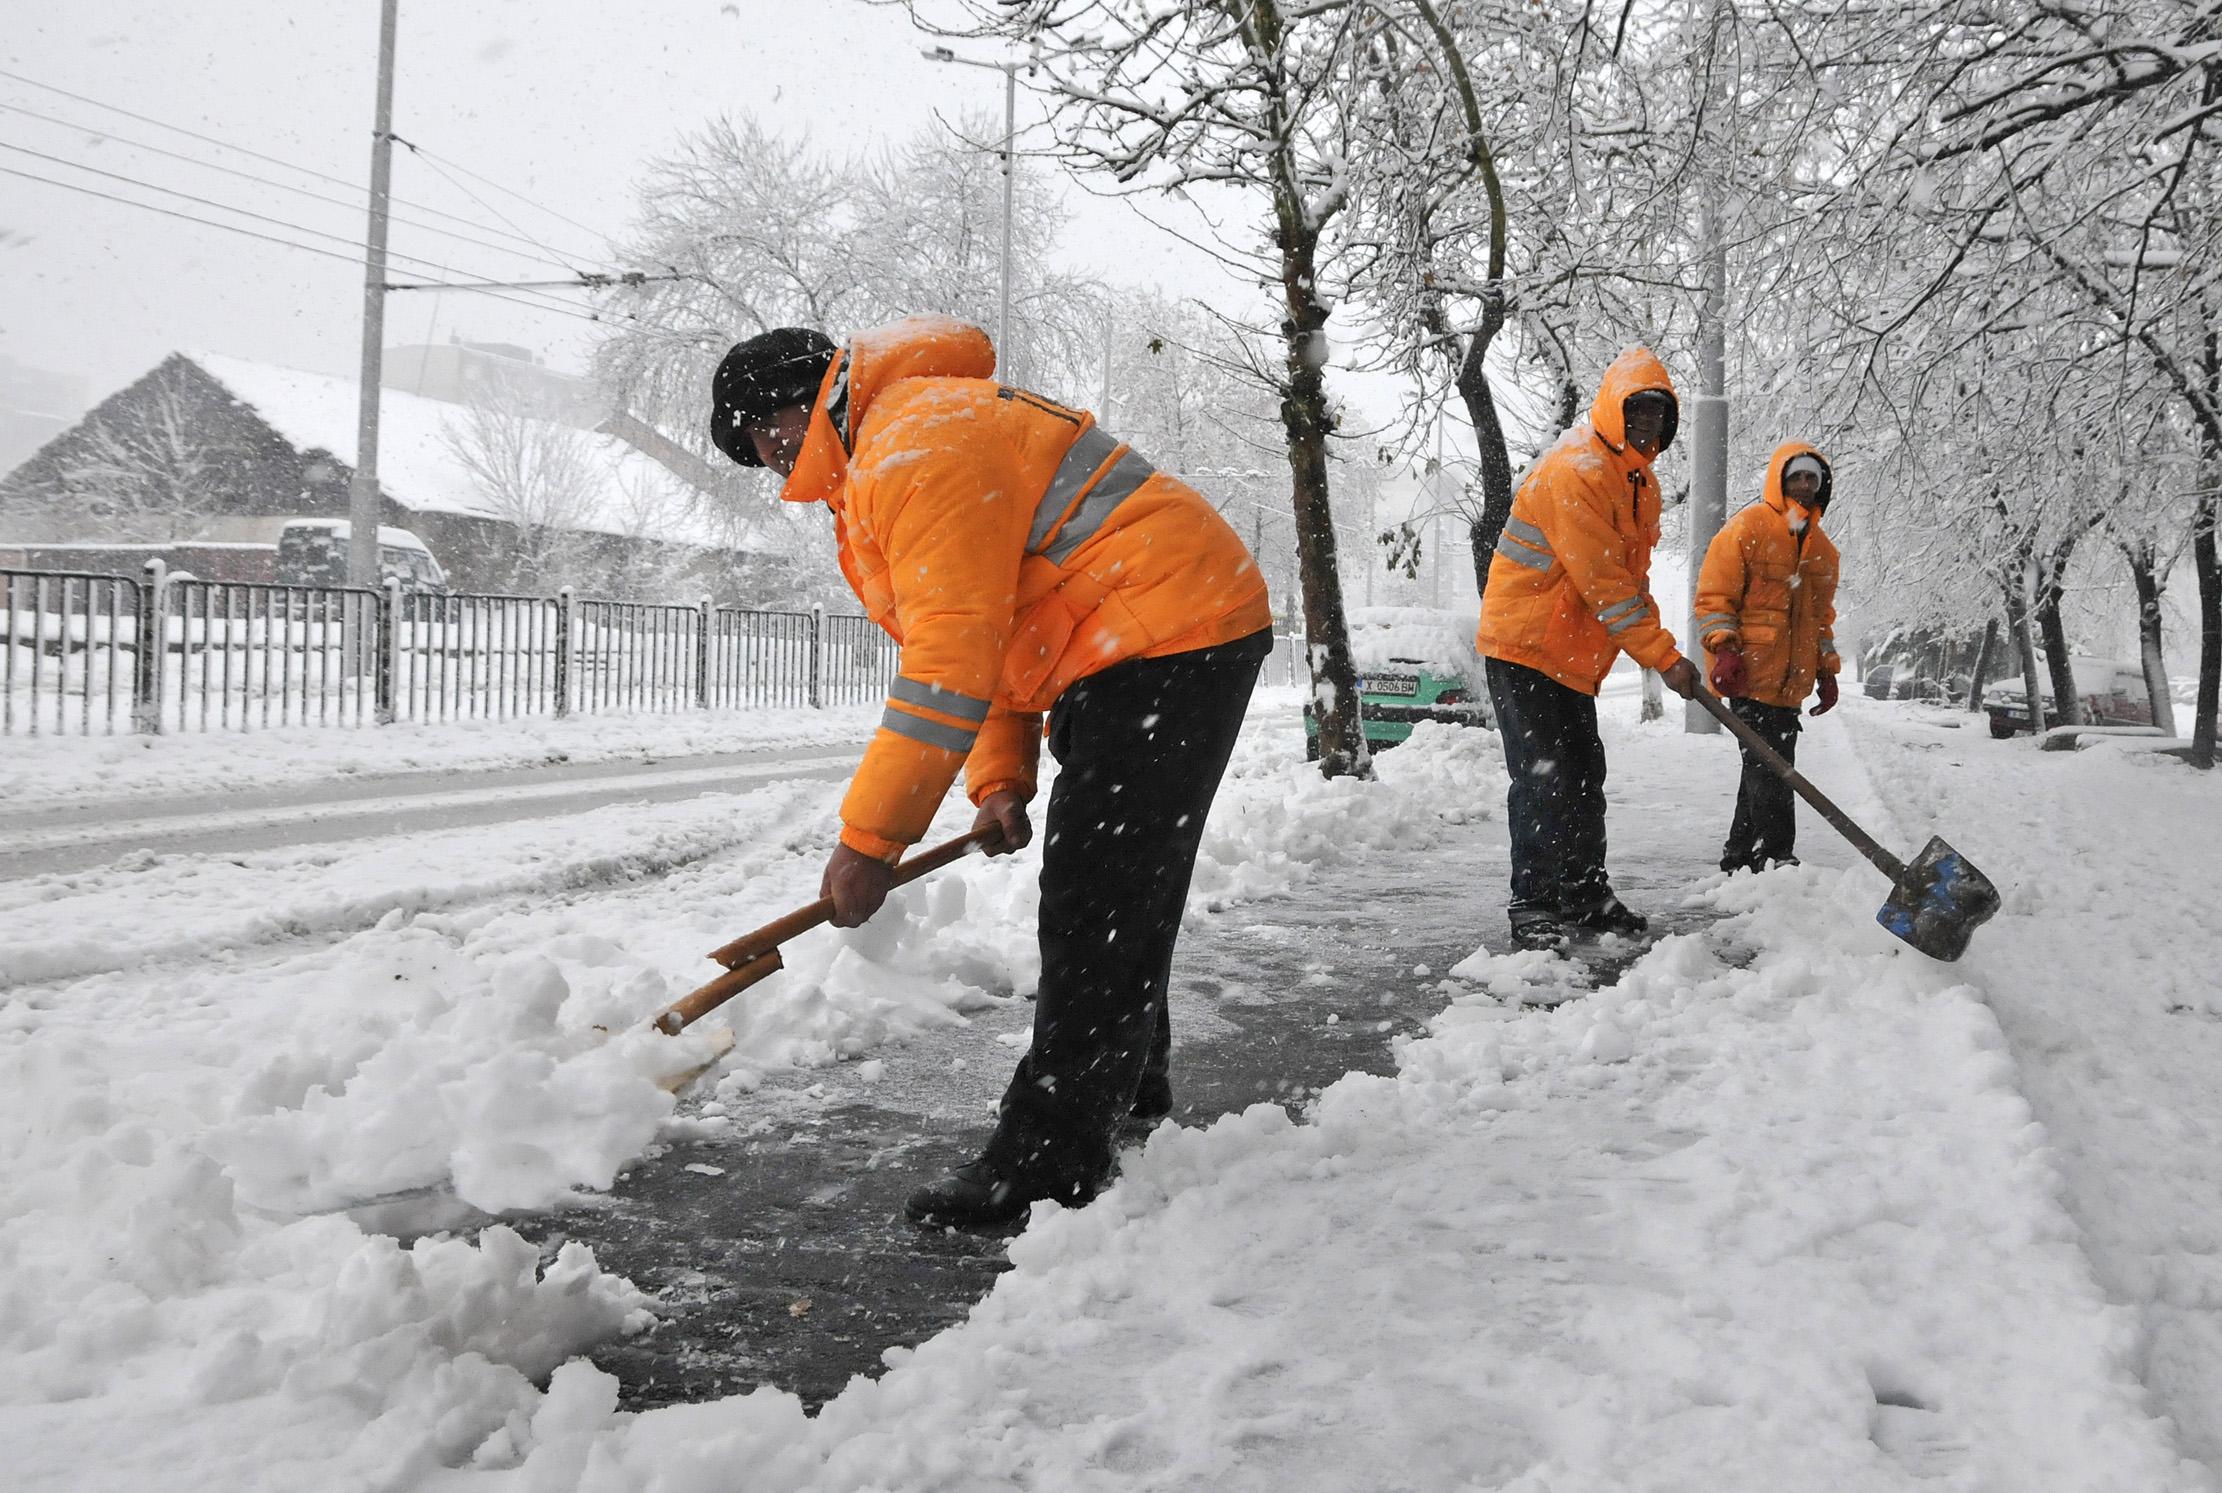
column 817, row 655
column 702, row 654
column 153, row 643
column 563, row 652
column 389, row 649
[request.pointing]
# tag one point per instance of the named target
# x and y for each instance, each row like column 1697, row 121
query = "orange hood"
column 1632, row 372
column 1773, row 495
column 915, row 347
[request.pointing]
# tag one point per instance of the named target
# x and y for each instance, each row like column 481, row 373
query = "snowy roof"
column 314, row 411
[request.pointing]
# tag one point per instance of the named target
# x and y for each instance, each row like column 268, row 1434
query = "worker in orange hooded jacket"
column 1766, row 614
column 1567, row 595
column 1028, row 562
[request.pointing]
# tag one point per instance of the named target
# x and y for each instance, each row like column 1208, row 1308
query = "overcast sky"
column 559, row 102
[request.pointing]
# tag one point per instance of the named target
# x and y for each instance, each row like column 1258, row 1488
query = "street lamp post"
column 1007, row 364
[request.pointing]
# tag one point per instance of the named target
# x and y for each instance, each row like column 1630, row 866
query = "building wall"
column 469, row 372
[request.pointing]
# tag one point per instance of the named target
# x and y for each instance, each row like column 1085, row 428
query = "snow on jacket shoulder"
column 1569, row 583
column 1768, row 586
column 1011, row 547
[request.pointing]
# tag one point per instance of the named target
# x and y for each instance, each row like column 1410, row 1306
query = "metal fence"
column 72, row 655
column 237, row 656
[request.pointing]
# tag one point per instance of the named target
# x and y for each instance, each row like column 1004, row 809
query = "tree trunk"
column 1983, row 654
column 2052, row 586
column 1496, row 458
column 1306, row 420
column 2017, row 622
column 2145, row 578
column 2209, row 570
column 2067, row 707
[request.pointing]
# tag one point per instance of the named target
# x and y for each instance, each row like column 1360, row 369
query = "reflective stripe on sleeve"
column 1712, row 620
column 1528, row 534
column 932, row 733
column 1630, row 620
column 933, row 697
column 1519, row 554
column 1618, row 611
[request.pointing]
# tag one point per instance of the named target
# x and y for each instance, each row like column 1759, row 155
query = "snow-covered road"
column 78, row 836
column 1787, row 1207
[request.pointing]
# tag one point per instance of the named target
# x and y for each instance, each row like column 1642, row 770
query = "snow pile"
column 1276, row 820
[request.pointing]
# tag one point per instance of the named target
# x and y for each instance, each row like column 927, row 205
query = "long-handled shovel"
column 754, row 956
column 1936, row 902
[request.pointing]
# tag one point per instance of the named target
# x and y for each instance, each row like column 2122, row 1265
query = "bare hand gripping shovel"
column 754, row 956
column 1936, row 903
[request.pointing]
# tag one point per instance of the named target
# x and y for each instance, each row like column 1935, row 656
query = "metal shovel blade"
column 1940, row 902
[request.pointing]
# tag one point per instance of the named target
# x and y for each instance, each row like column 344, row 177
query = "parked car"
column 2112, row 692
column 1881, row 682
column 1414, row 664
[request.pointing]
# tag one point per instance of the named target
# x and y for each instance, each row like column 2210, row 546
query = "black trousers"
column 1555, row 798
column 1766, row 824
column 1141, row 747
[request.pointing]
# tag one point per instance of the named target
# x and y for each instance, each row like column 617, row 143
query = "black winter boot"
column 1537, row 928
column 974, row 1194
column 1610, row 915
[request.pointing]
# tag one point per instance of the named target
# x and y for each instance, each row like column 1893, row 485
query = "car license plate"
column 1389, row 684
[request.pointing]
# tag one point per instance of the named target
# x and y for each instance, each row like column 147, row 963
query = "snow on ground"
column 2105, row 969
column 1774, row 1212
column 49, row 770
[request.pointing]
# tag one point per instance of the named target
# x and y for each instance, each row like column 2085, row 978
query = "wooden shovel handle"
column 1865, row 843
column 748, row 946
column 685, row 1012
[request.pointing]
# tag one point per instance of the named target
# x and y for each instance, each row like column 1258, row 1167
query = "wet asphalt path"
column 778, row 1254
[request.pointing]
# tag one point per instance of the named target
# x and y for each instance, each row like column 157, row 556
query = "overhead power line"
column 351, row 259
column 185, row 217
column 537, row 253
column 310, row 171
column 584, row 281
column 512, row 192
column 466, row 191
column 300, row 228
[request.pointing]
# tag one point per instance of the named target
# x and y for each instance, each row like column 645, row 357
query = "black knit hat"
column 760, row 377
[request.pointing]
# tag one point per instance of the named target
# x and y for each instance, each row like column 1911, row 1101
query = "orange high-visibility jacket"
column 1568, row 585
column 1011, row 547
column 1769, row 587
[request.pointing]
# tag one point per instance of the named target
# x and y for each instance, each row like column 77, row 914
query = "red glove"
column 1827, row 692
column 1728, row 672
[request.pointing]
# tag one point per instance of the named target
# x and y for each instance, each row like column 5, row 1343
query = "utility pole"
column 1005, row 353
column 1435, row 543
column 1110, row 315
column 1435, row 572
column 1709, row 423
column 362, row 493
column 1006, row 363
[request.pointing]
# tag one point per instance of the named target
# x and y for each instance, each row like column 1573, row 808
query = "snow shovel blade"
column 1939, row 902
